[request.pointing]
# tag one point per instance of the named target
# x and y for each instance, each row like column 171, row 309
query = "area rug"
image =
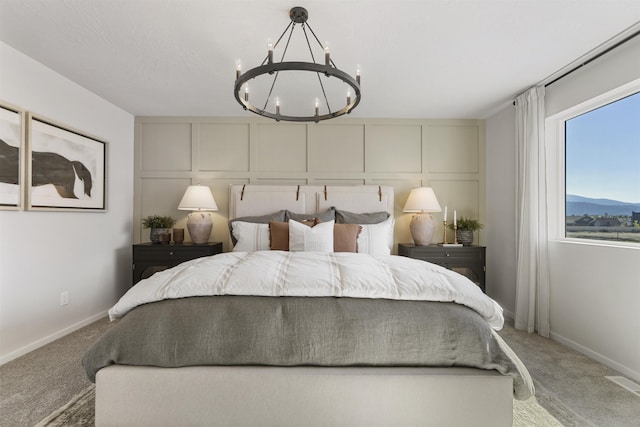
column 529, row 413
column 79, row 412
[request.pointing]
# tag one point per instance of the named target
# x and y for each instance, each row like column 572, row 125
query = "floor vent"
column 626, row 383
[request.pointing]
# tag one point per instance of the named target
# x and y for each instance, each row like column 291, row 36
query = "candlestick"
column 358, row 75
column 455, row 230
column 446, row 209
column 270, row 46
column 238, row 72
column 246, row 93
column 348, row 97
column 455, row 218
column 327, row 58
column 277, row 105
column 444, row 231
column 317, row 106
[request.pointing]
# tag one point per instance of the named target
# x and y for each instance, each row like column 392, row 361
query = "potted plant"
column 466, row 227
column 160, row 226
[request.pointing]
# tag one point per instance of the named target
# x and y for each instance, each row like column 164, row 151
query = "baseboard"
column 509, row 317
column 596, row 356
column 50, row 338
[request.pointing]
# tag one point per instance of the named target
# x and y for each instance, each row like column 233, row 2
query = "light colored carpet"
column 79, row 411
column 529, row 413
column 569, row 386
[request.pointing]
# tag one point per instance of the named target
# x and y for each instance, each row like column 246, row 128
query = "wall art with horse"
column 11, row 142
column 67, row 168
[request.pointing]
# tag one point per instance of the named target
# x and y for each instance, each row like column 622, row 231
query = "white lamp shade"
column 422, row 199
column 198, row 198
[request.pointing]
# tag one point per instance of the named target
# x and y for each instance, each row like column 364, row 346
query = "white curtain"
column 532, row 277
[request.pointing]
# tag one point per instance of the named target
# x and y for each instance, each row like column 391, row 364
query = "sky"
column 603, row 152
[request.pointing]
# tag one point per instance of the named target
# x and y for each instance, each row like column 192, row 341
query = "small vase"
column 465, row 237
column 178, row 235
column 159, row 235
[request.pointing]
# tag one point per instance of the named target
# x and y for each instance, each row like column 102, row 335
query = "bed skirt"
column 294, row 396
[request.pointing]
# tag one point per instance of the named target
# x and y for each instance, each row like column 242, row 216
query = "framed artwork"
column 11, row 157
column 66, row 169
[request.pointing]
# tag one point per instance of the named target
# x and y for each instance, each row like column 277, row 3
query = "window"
column 602, row 172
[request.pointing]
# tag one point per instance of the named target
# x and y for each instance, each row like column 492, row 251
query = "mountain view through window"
column 602, row 172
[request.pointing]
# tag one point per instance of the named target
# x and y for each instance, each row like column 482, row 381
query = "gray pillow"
column 326, row 216
column 346, row 217
column 262, row 219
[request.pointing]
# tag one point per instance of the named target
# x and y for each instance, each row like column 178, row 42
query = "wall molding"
column 173, row 152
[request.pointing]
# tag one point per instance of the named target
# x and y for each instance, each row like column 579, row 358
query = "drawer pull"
column 171, row 253
column 448, row 254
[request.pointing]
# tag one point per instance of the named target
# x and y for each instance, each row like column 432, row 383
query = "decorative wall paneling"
column 174, row 152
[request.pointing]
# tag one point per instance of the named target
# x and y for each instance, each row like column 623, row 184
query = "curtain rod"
column 588, row 61
column 593, row 58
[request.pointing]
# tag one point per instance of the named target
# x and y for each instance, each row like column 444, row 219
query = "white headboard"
column 250, row 200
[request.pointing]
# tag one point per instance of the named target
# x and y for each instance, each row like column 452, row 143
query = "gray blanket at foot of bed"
column 293, row 331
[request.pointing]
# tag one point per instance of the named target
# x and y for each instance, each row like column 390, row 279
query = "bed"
column 315, row 335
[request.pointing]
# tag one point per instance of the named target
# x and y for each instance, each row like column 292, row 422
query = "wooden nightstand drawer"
column 149, row 258
column 471, row 254
column 170, row 253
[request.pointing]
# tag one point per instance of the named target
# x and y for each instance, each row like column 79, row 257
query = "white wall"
column 45, row 253
column 595, row 289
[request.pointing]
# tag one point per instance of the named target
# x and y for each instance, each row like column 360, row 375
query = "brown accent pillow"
column 279, row 234
column 345, row 237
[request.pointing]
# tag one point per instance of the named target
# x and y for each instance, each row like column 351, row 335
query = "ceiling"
column 419, row 59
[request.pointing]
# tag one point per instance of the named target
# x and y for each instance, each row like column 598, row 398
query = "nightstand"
column 149, row 258
column 466, row 260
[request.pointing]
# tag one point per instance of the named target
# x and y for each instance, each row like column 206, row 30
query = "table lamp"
column 199, row 200
column 422, row 200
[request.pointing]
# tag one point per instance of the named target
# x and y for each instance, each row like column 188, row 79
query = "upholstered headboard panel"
column 249, row 200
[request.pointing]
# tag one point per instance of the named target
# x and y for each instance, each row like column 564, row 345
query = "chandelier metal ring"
column 298, row 15
column 297, row 66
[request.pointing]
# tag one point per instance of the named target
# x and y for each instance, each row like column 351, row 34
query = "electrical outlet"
column 64, row 298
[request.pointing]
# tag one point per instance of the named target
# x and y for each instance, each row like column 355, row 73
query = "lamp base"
column 199, row 225
column 422, row 228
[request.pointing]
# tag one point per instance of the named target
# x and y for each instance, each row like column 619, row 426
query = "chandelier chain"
column 284, row 52
column 319, row 43
column 306, row 36
column 280, row 38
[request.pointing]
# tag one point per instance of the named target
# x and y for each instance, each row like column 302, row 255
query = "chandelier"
column 324, row 72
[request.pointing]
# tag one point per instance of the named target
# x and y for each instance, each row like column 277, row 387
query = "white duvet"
column 311, row 274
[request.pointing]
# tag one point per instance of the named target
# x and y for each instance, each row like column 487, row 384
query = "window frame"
column 556, row 163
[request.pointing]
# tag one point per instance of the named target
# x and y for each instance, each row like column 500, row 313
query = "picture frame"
column 66, row 168
column 12, row 152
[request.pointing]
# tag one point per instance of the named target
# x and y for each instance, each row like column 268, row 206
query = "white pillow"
column 376, row 239
column 250, row 236
column 318, row 238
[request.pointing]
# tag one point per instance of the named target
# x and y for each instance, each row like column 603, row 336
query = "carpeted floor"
column 38, row 383
column 570, row 388
column 79, row 411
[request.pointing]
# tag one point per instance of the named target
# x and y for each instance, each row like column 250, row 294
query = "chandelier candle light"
column 422, row 200
column 298, row 15
column 198, row 199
